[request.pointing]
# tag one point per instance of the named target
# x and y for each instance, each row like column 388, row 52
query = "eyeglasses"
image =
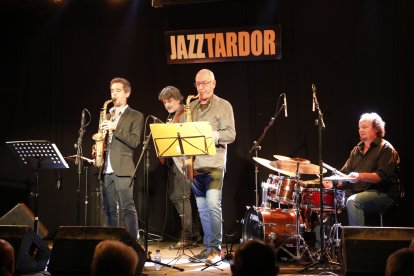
column 202, row 83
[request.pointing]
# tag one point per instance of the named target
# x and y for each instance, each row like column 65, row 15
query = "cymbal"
column 339, row 178
column 267, row 164
column 302, row 168
column 294, row 159
column 309, row 183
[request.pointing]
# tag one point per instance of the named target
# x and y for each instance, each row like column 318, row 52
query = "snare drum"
column 310, row 198
column 269, row 225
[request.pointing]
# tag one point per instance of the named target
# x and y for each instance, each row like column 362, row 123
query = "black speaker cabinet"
column 22, row 215
column 366, row 249
column 31, row 253
column 73, row 248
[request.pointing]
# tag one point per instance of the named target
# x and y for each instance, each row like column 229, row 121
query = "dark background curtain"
column 57, row 59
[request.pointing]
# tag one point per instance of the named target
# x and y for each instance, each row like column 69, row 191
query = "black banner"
column 223, row 45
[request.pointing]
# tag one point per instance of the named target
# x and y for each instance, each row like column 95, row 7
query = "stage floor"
column 179, row 259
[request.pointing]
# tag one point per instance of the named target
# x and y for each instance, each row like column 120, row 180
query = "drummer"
column 372, row 172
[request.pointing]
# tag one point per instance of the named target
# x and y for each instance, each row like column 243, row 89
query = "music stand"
column 38, row 154
column 183, row 140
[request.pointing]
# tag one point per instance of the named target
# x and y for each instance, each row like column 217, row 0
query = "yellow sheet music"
column 190, row 139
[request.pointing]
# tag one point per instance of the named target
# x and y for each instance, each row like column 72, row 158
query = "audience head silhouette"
column 254, row 257
column 112, row 257
column 400, row 263
column 6, row 258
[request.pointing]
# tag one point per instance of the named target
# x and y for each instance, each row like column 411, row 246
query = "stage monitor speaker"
column 366, row 249
column 73, row 248
column 22, row 215
column 31, row 253
column 164, row 3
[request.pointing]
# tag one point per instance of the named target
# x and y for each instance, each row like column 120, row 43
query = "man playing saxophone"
column 123, row 128
column 209, row 169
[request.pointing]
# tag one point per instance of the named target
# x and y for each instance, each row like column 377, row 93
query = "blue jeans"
column 366, row 202
column 207, row 190
column 117, row 193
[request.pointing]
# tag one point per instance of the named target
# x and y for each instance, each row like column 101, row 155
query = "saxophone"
column 188, row 160
column 100, row 137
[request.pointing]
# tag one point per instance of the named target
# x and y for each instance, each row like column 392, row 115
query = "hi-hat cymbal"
column 302, row 168
column 267, row 164
column 310, row 183
column 292, row 159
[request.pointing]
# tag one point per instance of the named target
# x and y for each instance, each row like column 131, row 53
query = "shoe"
column 200, row 258
column 213, row 258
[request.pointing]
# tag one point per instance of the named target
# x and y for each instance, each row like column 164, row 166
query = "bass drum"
column 270, row 225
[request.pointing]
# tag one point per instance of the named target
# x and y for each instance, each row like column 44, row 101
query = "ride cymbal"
column 292, row 159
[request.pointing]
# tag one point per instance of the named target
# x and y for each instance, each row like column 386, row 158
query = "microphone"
column 156, row 120
column 285, row 104
column 83, row 119
column 313, row 97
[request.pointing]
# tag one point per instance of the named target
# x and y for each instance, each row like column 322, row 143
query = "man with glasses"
column 209, row 169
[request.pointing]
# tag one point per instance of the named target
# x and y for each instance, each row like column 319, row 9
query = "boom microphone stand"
column 324, row 257
column 79, row 162
column 256, row 147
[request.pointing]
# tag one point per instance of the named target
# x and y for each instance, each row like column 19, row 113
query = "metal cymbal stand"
column 334, row 242
column 256, row 147
column 299, row 240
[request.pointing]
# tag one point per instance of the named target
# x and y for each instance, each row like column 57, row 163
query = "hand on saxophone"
column 108, row 125
column 94, row 150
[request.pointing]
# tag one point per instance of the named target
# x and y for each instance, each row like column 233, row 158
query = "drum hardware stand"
column 324, row 257
column 297, row 236
column 334, row 241
column 256, row 147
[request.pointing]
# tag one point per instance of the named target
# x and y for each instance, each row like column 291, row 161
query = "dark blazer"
column 126, row 137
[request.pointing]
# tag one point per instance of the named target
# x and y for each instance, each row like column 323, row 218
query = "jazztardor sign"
column 221, row 45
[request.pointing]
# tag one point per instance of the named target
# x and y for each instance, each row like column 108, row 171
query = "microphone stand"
column 79, row 162
column 256, row 147
column 146, row 177
column 324, row 257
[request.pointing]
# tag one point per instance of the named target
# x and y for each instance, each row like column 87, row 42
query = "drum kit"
column 284, row 227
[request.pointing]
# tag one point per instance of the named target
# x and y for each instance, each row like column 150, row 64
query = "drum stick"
column 335, row 171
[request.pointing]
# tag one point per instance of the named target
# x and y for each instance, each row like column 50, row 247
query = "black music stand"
column 38, row 154
column 183, row 140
